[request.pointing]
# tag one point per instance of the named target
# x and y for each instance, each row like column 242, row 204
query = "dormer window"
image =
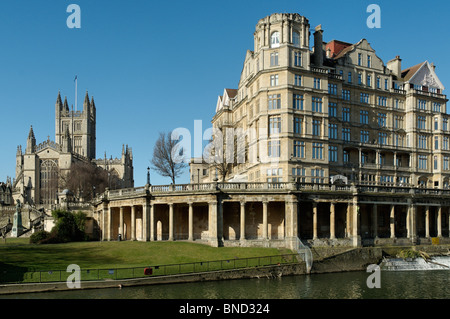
column 275, row 40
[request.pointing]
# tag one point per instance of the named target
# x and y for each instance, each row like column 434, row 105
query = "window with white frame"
column 332, row 131
column 299, row 149
column 317, row 151
column 275, row 39
column 364, row 136
column 297, row 125
column 296, row 39
column 274, row 59
column 421, row 104
column 298, row 101
column 274, row 175
column 274, row 125
column 316, row 127
column 274, row 101
column 332, row 109
column 317, row 104
column 423, row 161
column 274, row 80
column 297, row 58
column 421, row 122
column 317, row 175
column 332, row 153
column 422, row 141
column 299, row 173
column 274, row 149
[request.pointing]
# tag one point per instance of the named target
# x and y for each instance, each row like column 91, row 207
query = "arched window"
column 275, row 40
column 296, row 39
column 49, row 181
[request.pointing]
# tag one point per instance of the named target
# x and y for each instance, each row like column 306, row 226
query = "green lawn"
column 118, row 254
column 22, row 262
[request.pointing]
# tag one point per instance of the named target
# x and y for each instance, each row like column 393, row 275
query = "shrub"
column 68, row 226
column 39, row 236
column 409, row 253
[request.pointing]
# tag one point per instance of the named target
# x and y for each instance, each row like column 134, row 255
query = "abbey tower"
column 41, row 169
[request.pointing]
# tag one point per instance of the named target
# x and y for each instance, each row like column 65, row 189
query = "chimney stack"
column 318, row 46
column 395, row 65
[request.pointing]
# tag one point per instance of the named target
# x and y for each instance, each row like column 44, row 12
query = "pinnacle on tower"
column 31, row 142
column 59, row 101
column 66, row 105
column 86, row 103
column 31, row 133
column 68, row 141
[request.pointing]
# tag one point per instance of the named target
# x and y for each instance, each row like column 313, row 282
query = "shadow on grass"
column 11, row 273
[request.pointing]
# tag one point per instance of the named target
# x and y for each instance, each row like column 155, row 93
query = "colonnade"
column 139, row 221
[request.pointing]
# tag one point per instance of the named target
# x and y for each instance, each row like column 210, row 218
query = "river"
column 417, row 284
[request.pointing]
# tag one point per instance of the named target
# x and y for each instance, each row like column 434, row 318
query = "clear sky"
column 154, row 66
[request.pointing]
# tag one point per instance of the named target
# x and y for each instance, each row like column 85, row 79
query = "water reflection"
column 349, row 285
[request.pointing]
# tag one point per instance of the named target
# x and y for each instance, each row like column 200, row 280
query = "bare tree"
column 83, row 178
column 226, row 149
column 215, row 153
column 168, row 158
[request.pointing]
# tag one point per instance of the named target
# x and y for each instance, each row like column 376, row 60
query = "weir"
column 400, row 264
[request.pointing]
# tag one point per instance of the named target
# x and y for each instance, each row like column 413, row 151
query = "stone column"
column 439, row 222
column 104, row 218
column 427, row 221
column 291, row 220
column 215, row 221
column 314, row 220
column 145, row 219
column 264, row 234
column 191, row 222
column 242, row 230
column 392, row 221
column 448, row 217
column 121, row 223
column 412, row 230
column 355, row 223
column 408, row 221
column 152, row 222
column 133, row 222
column 349, row 221
column 109, row 224
column 170, row 221
column 332, row 221
column 375, row 220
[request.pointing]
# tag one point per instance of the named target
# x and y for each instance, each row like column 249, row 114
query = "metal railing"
column 14, row 277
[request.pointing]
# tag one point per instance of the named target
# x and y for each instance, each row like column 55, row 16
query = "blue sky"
column 154, row 66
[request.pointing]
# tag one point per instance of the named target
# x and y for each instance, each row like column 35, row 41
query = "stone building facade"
column 330, row 146
column 336, row 113
column 40, row 167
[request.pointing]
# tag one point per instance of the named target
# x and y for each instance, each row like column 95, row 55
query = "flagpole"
column 76, row 91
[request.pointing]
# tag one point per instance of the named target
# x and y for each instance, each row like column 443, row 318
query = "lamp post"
column 148, row 176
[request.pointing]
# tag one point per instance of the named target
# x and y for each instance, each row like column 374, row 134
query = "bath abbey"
column 355, row 153
column 41, row 168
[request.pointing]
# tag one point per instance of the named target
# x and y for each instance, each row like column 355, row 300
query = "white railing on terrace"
column 362, row 187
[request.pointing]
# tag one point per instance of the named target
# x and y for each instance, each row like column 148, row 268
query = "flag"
column 76, row 77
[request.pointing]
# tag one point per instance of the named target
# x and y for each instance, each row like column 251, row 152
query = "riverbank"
column 326, row 260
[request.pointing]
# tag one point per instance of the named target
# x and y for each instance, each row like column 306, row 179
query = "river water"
column 417, row 284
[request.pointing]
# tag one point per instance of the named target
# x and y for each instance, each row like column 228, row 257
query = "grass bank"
column 118, row 254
